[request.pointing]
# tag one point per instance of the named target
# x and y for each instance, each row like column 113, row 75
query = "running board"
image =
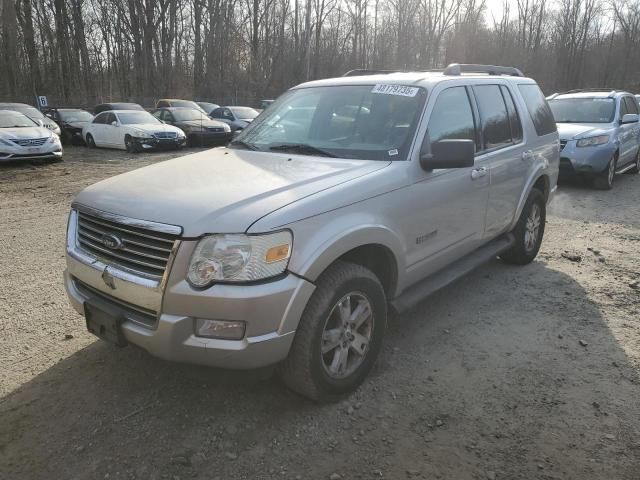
column 625, row 169
column 449, row 274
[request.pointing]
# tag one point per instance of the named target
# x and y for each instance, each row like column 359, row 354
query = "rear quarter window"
column 538, row 108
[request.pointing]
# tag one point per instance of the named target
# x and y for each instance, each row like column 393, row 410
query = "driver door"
column 446, row 208
column 112, row 132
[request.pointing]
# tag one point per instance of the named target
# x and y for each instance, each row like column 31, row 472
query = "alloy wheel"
column 346, row 335
column 532, row 228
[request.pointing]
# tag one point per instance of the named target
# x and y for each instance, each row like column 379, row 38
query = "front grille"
column 137, row 249
column 30, row 142
column 165, row 135
column 563, row 143
column 133, row 313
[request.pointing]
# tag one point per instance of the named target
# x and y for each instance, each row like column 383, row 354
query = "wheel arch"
column 373, row 247
column 542, row 182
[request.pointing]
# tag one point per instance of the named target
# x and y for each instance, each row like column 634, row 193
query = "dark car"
column 198, row 128
column 236, row 117
column 176, row 102
column 71, row 122
column 208, row 107
column 103, row 107
column 33, row 113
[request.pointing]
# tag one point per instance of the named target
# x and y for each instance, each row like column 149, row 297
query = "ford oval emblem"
column 111, row 241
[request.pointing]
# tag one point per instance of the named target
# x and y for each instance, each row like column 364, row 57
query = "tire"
column 90, row 142
column 324, row 377
column 192, row 141
column 129, row 145
column 636, row 167
column 66, row 138
column 525, row 248
column 604, row 181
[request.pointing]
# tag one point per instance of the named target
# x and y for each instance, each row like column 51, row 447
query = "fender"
column 540, row 171
column 322, row 247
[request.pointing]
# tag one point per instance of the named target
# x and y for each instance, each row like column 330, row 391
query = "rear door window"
column 451, row 118
column 101, row 118
column 538, row 107
column 514, row 118
column 632, row 107
column 496, row 128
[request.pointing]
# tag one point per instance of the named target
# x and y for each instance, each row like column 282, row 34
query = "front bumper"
column 159, row 143
column 221, row 138
column 585, row 160
column 38, row 155
column 271, row 311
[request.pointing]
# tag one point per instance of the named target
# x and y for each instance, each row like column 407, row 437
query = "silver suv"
column 599, row 134
column 346, row 198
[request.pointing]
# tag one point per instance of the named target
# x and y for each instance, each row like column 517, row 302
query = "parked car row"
column 599, row 134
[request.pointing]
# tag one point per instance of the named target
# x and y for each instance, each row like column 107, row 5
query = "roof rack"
column 363, row 71
column 610, row 91
column 460, row 68
column 453, row 69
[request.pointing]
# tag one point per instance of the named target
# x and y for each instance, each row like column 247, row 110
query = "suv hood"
column 572, row 131
column 24, row 132
column 220, row 190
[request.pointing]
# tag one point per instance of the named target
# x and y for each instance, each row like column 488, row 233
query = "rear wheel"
column 90, row 142
column 529, row 231
column 340, row 334
column 604, row 181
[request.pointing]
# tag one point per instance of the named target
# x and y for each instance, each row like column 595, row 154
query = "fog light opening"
column 220, row 329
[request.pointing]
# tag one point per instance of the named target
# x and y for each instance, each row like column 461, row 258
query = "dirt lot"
column 510, row 373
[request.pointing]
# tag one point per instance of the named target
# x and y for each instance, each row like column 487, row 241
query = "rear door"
column 445, row 212
column 502, row 153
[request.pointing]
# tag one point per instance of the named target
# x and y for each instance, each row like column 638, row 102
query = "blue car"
column 599, row 134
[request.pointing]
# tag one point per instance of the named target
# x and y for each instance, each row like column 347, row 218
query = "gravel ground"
column 510, row 373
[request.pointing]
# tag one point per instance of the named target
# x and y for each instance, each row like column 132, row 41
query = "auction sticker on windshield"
column 401, row 90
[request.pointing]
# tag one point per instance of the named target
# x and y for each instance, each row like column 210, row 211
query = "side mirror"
column 114, row 124
column 630, row 118
column 451, row 153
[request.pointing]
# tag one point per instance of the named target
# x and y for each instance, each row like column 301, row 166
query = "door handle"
column 477, row 173
column 527, row 154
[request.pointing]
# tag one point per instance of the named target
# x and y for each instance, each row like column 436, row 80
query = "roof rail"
column 364, row 71
column 460, row 68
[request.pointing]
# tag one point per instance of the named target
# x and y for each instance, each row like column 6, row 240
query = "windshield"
column 245, row 113
column 14, row 120
column 185, row 104
column 359, row 121
column 75, row 116
column 132, row 118
column 583, row 110
column 187, row 114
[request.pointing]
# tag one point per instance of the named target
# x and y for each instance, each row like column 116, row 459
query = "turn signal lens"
column 277, row 253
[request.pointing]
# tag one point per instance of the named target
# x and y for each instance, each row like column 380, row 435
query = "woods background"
column 81, row 52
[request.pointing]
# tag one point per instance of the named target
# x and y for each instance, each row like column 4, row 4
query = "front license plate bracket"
column 104, row 323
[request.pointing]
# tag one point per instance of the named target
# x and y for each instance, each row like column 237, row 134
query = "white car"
column 23, row 139
column 131, row 130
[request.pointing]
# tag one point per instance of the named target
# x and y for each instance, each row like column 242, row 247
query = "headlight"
column 239, row 258
column 181, row 134
column 226, row 128
column 593, row 141
column 54, row 139
column 142, row 134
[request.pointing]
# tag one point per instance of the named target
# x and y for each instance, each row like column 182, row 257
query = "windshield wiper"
column 303, row 149
column 242, row 143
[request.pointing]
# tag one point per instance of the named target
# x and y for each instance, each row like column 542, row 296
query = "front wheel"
column 340, row 334
column 90, row 142
column 130, row 145
column 529, row 231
